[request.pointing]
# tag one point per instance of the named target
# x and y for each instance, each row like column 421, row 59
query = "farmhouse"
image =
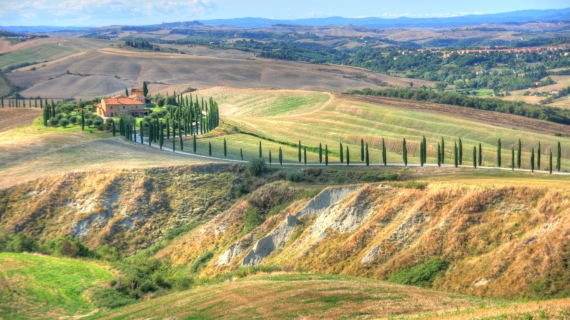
column 133, row 105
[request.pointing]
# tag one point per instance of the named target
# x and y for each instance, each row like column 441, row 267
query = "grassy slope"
column 327, row 296
column 348, row 121
column 46, row 287
column 297, row 295
column 4, row 87
column 38, row 53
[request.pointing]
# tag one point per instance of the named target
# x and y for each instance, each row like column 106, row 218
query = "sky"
column 144, row 12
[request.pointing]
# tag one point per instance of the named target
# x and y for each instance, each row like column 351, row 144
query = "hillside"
column 46, row 287
column 508, row 242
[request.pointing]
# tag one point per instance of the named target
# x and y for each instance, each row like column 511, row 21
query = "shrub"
column 98, row 122
column 240, row 190
column 256, row 166
column 59, row 116
column 201, row 261
column 20, row 243
column 295, row 176
column 421, row 275
column 89, row 122
column 370, row 177
column 53, row 122
column 64, row 122
column 66, row 247
column 73, row 119
column 251, row 219
column 110, row 298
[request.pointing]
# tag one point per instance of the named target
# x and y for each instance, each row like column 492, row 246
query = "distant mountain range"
column 507, row 17
column 515, row 17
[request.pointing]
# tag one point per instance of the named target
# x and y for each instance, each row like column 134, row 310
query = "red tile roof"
column 121, row 101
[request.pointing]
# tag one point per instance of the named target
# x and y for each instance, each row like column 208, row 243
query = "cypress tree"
column 299, row 153
column 113, row 124
column 513, row 159
column 550, row 163
column 425, row 149
column 499, row 153
column 439, row 155
column 167, row 128
column 327, row 154
column 194, row 144
column 460, row 147
column 35, row 103
column 82, row 119
column 480, row 155
column 269, row 157
column 2, row 99
column 367, row 156
column 362, row 150
column 209, row 148
column 341, row 153
column 280, row 156
column 305, row 155
column 347, row 156
column 173, row 143
column 134, row 131
column 532, row 160
column 126, row 92
column 384, row 157
column 142, row 132
column 145, row 89
column 519, row 155
column 474, row 157
column 421, row 153
column 405, row 152
column 226, row 152
column 558, row 157
column 161, row 136
column 538, row 157
column 260, row 153
column 241, row 153
column 320, row 153
column 181, row 140
column 443, row 151
column 455, row 156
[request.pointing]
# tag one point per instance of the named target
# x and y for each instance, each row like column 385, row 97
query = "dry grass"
column 14, row 118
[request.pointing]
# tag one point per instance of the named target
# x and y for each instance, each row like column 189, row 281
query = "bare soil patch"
column 11, row 118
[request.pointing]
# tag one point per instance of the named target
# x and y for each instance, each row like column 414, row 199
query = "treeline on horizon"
column 519, row 108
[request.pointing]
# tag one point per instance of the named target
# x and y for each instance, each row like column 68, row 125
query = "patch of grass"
column 36, row 286
column 421, row 275
column 201, row 261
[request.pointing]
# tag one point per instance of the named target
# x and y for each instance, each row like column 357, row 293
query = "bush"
column 98, row 122
column 251, row 220
column 201, row 261
column 370, row 177
column 64, row 122
column 110, row 298
column 53, row 122
column 73, row 119
column 295, row 176
column 256, row 166
column 20, row 243
column 421, row 275
column 66, row 247
column 89, row 122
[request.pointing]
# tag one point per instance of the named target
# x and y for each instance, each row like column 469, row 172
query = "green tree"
column 538, row 152
column 460, row 150
column 260, row 151
column 241, row 154
column 440, row 86
column 532, row 160
column 82, row 119
column 367, row 156
column 341, row 153
column 280, row 156
column 347, row 156
column 181, row 140
column 126, row 92
column 513, row 159
column 145, row 89
column 305, row 155
column 474, row 157
column 326, row 154
column 209, row 148
column 226, row 151
column 558, row 158
column 320, row 153
column 64, row 122
column 141, row 132
column 480, row 155
column 194, row 142
column 499, row 153
column 443, row 151
column 439, row 155
column 550, row 163
column 455, row 156
column 114, row 129
column 173, row 143
column 421, row 153
column 269, row 157
column 519, row 155
column 299, row 153
column 384, row 156
column 362, row 150
column 405, row 152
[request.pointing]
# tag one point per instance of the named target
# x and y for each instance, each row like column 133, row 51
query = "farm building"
column 133, row 105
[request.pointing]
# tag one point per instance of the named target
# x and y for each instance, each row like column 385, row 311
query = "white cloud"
column 105, row 9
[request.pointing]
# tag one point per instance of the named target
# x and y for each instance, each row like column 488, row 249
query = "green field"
column 4, row 87
column 45, row 287
column 348, row 121
column 37, row 54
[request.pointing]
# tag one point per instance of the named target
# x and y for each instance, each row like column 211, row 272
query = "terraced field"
column 46, row 287
column 347, row 120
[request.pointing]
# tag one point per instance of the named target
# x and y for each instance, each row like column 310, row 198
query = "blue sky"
column 139, row 12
